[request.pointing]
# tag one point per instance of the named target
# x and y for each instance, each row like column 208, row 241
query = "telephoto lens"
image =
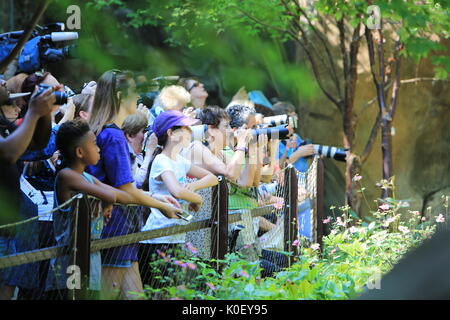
column 331, row 152
column 280, row 132
column 276, row 120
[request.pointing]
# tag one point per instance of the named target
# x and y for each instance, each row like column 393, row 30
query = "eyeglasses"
column 196, row 84
column 114, row 77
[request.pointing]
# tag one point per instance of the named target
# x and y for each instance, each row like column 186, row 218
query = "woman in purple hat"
column 168, row 173
column 115, row 99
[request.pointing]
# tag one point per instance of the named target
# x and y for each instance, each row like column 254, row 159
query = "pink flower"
column 384, row 207
column 357, row 177
column 246, row 246
column 327, row 220
column 423, row 218
column 295, row 243
column 279, row 205
column 191, row 266
column 180, row 263
column 315, row 246
column 244, row 274
column 440, row 218
column 211, row 286
column 191, row 248
column 416, row 213
column 333, row 251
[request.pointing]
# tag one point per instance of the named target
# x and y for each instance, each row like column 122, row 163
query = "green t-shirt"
column 240, row 197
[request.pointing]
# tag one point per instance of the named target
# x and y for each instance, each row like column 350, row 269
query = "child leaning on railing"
column 77, row 144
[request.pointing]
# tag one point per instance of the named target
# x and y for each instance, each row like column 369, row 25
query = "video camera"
column 41, row 48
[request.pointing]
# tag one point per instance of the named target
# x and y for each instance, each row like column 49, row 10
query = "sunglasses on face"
column 195, row 84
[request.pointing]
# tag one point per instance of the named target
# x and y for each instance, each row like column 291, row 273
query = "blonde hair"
column 134, row 123
column 172, row 97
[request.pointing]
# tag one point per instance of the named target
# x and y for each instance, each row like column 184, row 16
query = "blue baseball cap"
column 171, row 118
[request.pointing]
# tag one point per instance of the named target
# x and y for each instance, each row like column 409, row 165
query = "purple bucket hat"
column 171, row 118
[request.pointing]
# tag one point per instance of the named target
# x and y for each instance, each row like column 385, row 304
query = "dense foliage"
column 354, row 257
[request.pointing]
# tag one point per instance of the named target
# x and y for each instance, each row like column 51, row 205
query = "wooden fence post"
column 320, row 200
column 290, row 211
column 80, row 248
column 219, row 220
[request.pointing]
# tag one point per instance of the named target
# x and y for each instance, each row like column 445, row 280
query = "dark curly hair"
column 212, row 115
column 69, row 137
column 239, row 114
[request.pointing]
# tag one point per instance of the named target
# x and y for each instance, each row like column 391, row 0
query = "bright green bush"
column 353, row 253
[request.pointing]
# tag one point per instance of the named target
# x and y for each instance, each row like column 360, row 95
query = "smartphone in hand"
column 185, row 215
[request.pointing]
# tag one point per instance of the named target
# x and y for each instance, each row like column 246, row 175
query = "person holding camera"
column 245, row 195
column 292, row 151
column 134, row 128
column 14, row 141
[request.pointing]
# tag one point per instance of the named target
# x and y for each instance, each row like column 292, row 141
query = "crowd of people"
column 101, row 142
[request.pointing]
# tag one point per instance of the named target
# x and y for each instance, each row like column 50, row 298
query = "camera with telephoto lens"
column 281, row 119
column 338, row 154
column 61, row 97
column 40, row 49
column 278, row 132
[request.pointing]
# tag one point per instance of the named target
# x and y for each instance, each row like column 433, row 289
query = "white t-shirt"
column 157, row 220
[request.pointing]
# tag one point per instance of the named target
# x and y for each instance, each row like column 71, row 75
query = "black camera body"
column 61, row 97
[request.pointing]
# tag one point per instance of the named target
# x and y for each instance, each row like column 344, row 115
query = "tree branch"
column 25, row 36
column 371, row 53
column 372, row 137
column 395, row 89
column 421, row 79
column 308, row 53
column 327, row 50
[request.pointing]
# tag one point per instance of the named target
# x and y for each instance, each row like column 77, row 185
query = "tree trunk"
column 386, row 149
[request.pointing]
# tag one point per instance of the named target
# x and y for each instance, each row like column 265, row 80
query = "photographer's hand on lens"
column 307, row 150
column 68, row 110
column 144, row 110
column 243, row 137
column 42, row 104
column 189, row 112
